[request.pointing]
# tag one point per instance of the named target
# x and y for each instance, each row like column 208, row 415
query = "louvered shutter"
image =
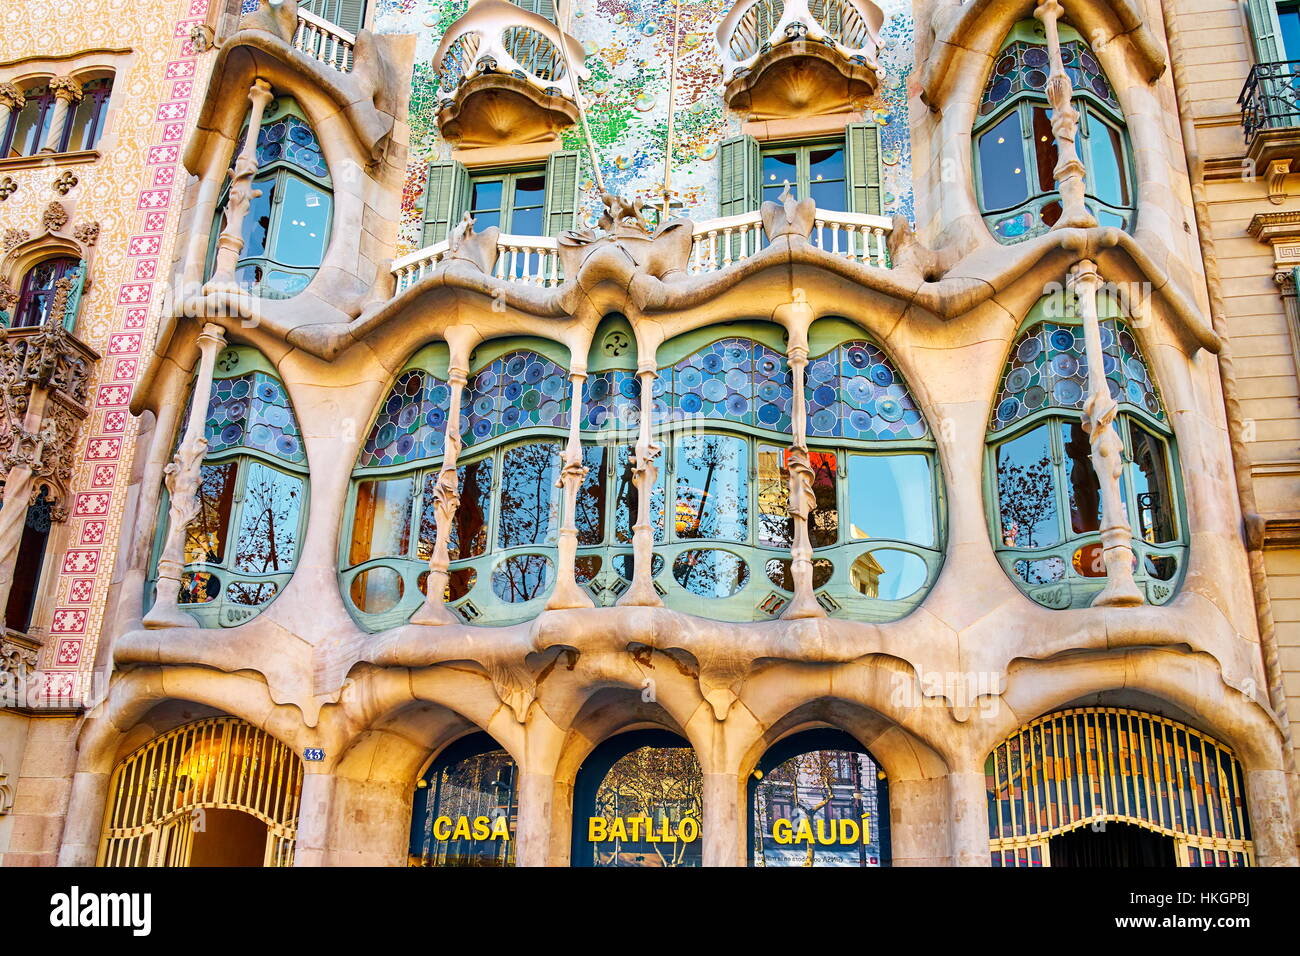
column 738, row 177
column 445, row 195
column 1266, row 31
column 561, row 192
column 74, row 297
column 862, row 149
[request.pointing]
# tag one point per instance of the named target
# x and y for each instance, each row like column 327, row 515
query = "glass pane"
column 530, row 500
column 1289, row 18
column 888, row 574
column 1151, row 485
column 626, row 498
column 470, row 522
column 268, row 522
column 778, row 168
column 377, row 590
column 891, row 496
column 250, row 593
column 712, row 487
column 198, row 587
column 711, row 573
column 775, row 526
column 826, row 178
column 30, row 125
column 304, row 224
column 1107, row 177
column 257, row 224
column 780, row 571
column 521, row 577
column 485, row 203
column 476, row 788
column 1002, row 173
column 662, row 785
column 590, row 512
column 526, row 212
column 81, row 120
column 205, row 536
column 1027, row 491
column 1044, row 150
column 1080, row 480
column 381, row 523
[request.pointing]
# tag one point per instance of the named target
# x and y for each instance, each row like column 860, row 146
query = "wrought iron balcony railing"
column 1270, row 98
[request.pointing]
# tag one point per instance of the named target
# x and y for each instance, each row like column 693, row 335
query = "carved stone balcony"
column 791, row 58
column 506, row 76
column 323, row 41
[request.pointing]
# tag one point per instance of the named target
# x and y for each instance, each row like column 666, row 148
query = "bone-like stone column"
column 721, row 825
column 20, row 470
column 642, row 593
column 182, row 478
column 11, row 100
column 797, row 317
column 573, row 472
column 231, row 241
column 1270, row 817
column 1099, row 410
column 81, row 828
column 1069, row 172
column 446, row 496
column 66, row 91
column 968, row 819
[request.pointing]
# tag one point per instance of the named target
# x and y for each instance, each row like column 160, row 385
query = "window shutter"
column 561, row 191
column 445, row 196
column 738, row 176
column 74, row 297
column 862, row 149
column 351, row 15
column 1265, row 31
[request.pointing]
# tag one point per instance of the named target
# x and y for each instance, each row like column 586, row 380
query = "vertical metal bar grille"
column 158, row 793
column 1098, row 764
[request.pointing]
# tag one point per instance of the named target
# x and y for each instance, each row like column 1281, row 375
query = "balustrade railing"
column 1270, row 98
column 324, row 42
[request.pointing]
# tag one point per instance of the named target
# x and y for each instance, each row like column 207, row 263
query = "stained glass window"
column 734, row 379
column 854, row 392
column 520, row 390
column 411, row 423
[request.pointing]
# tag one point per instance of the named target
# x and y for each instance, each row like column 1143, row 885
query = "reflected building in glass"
column 749, row 433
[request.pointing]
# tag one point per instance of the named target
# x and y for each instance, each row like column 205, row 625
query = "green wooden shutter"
column 561, row 191
column 545, row 8
column 74, row 298
column 738, row 176
column 1266, row 31
column 445, row 196
column 862, row 148
column 351, row 14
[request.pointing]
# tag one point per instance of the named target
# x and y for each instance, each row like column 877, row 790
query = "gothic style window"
column 1015, row 150
column 26, row 588
column 28, row 127
column 1044, row 497
column 1167, row 794
column 287, row 228
column 39, row 290
column 514, row 416
column 818, row 799
column 242, row 546
column 466, row 807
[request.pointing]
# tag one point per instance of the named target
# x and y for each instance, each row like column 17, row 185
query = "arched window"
column 87, row 118
column 1015, row 149
column 242, row 546
column 218, row 792
column 638, row 800
column 287, row 228
column 1058, row 788
column 40, row 290
column 1044, row 497
column 724, row 399
column 818, row 798
column 514, row 417
column 466, row 807
column 29, row 127
column 30, row 563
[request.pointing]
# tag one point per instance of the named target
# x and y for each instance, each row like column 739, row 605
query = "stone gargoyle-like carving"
column 907, row 252
column 477, row 248
column 628, row 236
column 279, row 17
column 788, row 216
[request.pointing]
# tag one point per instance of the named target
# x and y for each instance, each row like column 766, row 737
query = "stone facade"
column 650, row 260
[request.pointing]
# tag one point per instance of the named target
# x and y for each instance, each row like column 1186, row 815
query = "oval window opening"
column 377, row 590
column 888, row 574
column 198, row 587
column 625, row 565
column 521, row 578
column 780, row 571
column 711, row 573
column 250, row 593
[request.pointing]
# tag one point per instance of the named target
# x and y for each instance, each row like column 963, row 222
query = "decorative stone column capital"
column 260, row 93
column 1084, row 277
column 1049, row 10
column 66, row 88
column 12, row 97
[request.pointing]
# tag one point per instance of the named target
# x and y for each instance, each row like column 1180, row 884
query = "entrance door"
column 228, row 838
column 1112, row 844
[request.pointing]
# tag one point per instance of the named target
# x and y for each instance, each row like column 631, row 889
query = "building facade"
column 783, row 432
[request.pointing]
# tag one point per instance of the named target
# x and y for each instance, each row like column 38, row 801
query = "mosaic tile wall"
column 628, row 50
column 134, row 192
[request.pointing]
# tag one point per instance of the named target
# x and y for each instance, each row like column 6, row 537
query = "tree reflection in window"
column 1027, row 491
column 712, row 487
column 268, row 528
column 627, row 500
column 522, row 577
column 529, row 499
column 663, row 784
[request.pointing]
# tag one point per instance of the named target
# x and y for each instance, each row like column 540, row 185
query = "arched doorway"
column 818, row 798
column 1072, row 788
column 638, row 800
column 465, row 808
column 216, row 792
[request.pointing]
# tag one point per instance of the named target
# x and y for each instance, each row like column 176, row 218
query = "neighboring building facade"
column 788, row 432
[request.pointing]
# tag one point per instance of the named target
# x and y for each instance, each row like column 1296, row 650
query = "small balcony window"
column 40, row 287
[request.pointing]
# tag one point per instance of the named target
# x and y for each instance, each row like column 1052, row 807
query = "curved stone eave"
column 860, row 79
column 980, row 25
column 973, row 280
column 360, row 95
column 559, row 111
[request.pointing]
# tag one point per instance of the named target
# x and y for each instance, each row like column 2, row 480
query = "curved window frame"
column 221, row 611
column 1095, row 114
column 1073, row 589
column 275, row 179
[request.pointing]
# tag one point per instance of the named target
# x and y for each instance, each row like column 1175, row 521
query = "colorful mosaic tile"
column 855, row 392
column 411, row 423
column 1048, row 369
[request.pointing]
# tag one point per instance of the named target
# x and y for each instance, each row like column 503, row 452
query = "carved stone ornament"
column 86, row 233
column 65, row 88
column 12, row 96
column 7, row 188
column 14, row 237
column 55, row 217
column 476, row 248
column 788, row 216
column 66, row 182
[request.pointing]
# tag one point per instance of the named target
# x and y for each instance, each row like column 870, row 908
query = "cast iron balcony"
column 1270, row 116
column 504, row 77
column 799, row 57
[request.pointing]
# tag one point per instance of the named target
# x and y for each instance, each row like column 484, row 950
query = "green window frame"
column 450, row 192
column 812, row 168
column 510, row 199
column 749, row 174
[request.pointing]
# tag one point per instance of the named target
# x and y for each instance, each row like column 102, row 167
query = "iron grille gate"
column 158, row 794
column 1104, row 764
